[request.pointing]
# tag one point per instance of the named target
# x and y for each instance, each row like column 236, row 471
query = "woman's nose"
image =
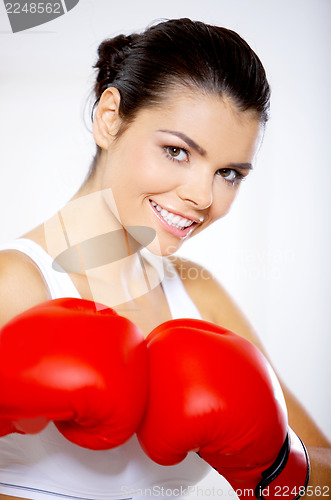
column 198, row 191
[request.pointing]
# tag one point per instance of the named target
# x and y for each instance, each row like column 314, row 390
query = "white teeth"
column 158, row 208
column 169, row 216
column 172, row 219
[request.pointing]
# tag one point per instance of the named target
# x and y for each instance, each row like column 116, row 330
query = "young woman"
column 178, row 121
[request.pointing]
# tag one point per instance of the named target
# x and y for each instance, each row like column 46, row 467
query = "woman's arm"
column 21, row 285
column 216, row 305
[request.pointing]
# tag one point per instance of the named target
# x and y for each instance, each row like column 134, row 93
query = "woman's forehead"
column 197, row 112
column 209, row 125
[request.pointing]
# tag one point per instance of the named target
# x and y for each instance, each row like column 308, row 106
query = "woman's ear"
column 106, row 122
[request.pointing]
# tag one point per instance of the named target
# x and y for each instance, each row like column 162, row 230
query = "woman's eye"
column 176, row 153
column 230, row 175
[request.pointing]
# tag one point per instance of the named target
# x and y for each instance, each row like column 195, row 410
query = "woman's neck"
column 87, row 240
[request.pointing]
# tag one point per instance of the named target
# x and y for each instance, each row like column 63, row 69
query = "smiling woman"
column 178, row 121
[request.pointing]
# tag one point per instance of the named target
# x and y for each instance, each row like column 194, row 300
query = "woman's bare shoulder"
column 213, row 301
column 21, row 285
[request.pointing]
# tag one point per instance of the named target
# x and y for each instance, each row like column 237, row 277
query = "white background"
column 272, row 252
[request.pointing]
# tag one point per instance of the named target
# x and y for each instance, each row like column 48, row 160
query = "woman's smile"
column 173, row 222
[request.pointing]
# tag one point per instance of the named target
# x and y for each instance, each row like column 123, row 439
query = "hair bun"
column 112, row 53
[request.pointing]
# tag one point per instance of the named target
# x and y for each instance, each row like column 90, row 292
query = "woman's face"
column 178, row 167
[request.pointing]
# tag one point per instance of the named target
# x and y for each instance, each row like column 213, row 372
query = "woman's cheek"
column 222, row 202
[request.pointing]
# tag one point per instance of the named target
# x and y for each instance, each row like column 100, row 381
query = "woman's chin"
column 162, row 250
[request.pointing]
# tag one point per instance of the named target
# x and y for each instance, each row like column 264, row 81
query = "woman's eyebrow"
column 188, row 141
column 241, row 166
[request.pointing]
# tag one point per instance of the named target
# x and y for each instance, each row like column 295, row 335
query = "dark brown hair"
column 180, row 51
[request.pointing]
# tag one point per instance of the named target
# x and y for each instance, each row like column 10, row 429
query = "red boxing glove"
column 83, row 368
column 213, row 392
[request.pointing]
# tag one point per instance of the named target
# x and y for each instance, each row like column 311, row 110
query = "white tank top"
column 46, row 465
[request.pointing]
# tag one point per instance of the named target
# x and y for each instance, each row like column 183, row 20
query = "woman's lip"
column 179, row 233
column 198, row 221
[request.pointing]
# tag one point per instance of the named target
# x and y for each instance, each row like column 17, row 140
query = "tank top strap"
column 180, row 303
column 59, row 283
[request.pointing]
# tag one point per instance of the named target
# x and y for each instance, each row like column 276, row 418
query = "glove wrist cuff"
column 289, row 474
